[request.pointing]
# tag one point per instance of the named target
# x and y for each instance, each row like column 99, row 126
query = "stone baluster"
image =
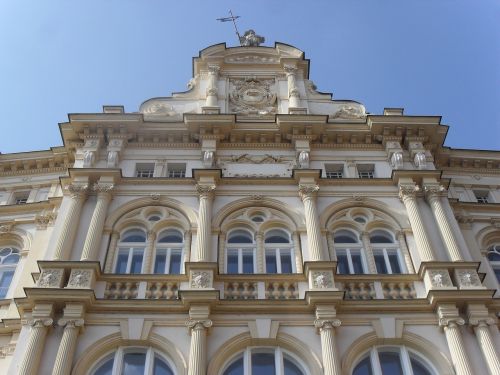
column 66, row 236
column 94, row 234
column 66, row 352
column 408, row 194
column 331, row 360
column 308, row 195
column 204, row 239
column 293, row 91
column 433, row 195
column 370, row 259
column 34, row 347
column 212, row 90
column 115, row 237
column 198, row 348
column 148, row 253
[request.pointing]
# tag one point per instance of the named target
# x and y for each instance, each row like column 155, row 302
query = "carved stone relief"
column 80, row 278
column 440, row 279
column 51, row 278
column 467, row 279
column 201, row 279
column 349, row 111
column 252, row 96
column 322, row 279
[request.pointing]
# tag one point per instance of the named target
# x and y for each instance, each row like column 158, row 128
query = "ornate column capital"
column 103, row 190
column 151, row 235
column 198, row 325
column 482, row 321
column 451, row 322
column 70, row 323
column 290, row 69
column 213, row 69
column 408, row 191
column 40, row 322
column 308, row 191
column 205, row 191
column 77, row 191
column 434, row 191
column 324, row 324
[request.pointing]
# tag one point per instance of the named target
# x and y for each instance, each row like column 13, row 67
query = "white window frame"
column 241, row 248
column 21, row 197
column 144, row 170
column 176, row 170
column 334, row 171
column 7, row 267
column 495, row 264
column 131, row 249
column 482, row 196
column 348, row 250
column 385, row 250
column 278, row 249
column 168, row 249
column 366, row 171
column 119, row 356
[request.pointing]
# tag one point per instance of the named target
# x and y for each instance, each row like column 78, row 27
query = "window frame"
column 145, row 170
column 482, row 196
column 387, row 249
column 279, row 249
column 176, row 170
column 169, row 248
column 334, row 170
column 365, row 171
column 345, row 248
column 6, row 268
column 131, row 248
column 495, row 264
column 241, row 249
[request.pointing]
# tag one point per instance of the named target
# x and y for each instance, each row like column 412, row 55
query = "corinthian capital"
column 434, row 191
column 205, row 190
column 408, row 191
column 101, row 187
column 78, row 191
column 323, row 324
column 214, row 69
column 308, row 191
column 290, row 69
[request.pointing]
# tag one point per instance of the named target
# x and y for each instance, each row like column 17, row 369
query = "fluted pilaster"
column 148, row 254
column 66, row 351
column 486, row 343
column 259, row 238
column 293, row 91
column 433, row 195
column 34, row 346
column 456, row 345
column 331, row 360
column 78, row 194
column 198, row 348
column 204, row 241
column 115, row 236
column 308, row 196
column 212, row 90
column 94, row 234
column 407, row 193
column 370, row 259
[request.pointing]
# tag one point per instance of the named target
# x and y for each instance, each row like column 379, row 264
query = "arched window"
column 240, row 252
column 494, row 258
column 131, row 252
column 169, row 247
column 350, row 259
column 264, row 361
column 279, row 252
column 134, row 361
column 393, row 361
column 386, row 253
column 9, row 257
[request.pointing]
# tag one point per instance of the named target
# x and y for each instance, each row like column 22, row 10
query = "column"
column 212, row 90
column 35, row 344
column 408, row 194
column 198, row 348
column 204, row 240
column 433, row 194
column 66, row 351
column 187, row 247
column 308, row 195
column 115, row 236
column 486, row 343
column 404, row 250
column 222, row 252
column 261, row 252
column 78, row 194
column 458, row 352
column 94, row 234
column 298, row 252
column 293, row 91
column 331, row 361
column 148, row 252
column 370, row 259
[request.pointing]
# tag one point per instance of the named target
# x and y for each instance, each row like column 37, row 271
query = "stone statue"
column 250, row 39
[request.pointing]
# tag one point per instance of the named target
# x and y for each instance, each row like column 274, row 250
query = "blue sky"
column 430, row 57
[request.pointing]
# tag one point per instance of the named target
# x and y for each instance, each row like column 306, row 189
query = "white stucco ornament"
column 397, row 160
column 420, row 160
column 252, row 96
column 304, row 159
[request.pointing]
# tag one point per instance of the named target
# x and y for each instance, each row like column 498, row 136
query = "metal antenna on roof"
column 232, row 18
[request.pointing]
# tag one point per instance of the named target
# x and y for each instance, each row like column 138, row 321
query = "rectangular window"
column 129, row 261
column 279, row 261
column 380, row 263
column 145, row 170
column 366, row 170
column 232, row 261
column 342, row 264
column 334, row 170
column 349, row 261
column 168, row 261
column 176, row 170
column 5, row 280
column 21, row 197
column 387, row 261
column 240, row 261
column 481, row 196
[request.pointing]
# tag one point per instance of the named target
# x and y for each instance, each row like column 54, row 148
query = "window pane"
column 5, row 279
column 11, row 259
column 390, row 363
column 380, row 263
column 380, row 238
column 106, row 368
column 497, row 273
column 240, row 237
column 364, row 368
column 232, row 262
column 342, row 265
column 236, row 368
column 291, row 368
column 175, row 263
column 134, row 236
column 271, row 266
column 133, row 363
column 344, row 237
column 171, row 236
column 357, row 263
column 263, row 364
column 161, row 368
column 494, row 256
column 136, row 265
column 418, row 368
column 394, row 260
column 121, row 263
column 286, row 263
column 247, row 263
column 160, row 262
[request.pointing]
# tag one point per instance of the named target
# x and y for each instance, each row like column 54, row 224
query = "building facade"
column 250, row 225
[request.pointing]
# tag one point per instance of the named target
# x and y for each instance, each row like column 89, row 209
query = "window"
column 278, row 250
column 393, row 361
column 176, row 170
column 131, row 252
column 481, row 196
column 385, row 253
column 494, row 258
column 134, row 361
column 349, row 253
column 21, row 197
column 9, row 257
column 240, row 252
column 366, row 170
column 168, row 257
column 145, row 170
column 264, row 361
column 334, row 170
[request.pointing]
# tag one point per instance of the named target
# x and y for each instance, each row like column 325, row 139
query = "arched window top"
column 9, row 255
column 134, row 235
column 277, row 236
column 494, row 253
column 171, row 236
column 345, row 236
column 240, row 236
column 134, row 361
column 380, row 236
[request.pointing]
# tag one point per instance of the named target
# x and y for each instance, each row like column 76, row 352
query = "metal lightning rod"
column 232, row 18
